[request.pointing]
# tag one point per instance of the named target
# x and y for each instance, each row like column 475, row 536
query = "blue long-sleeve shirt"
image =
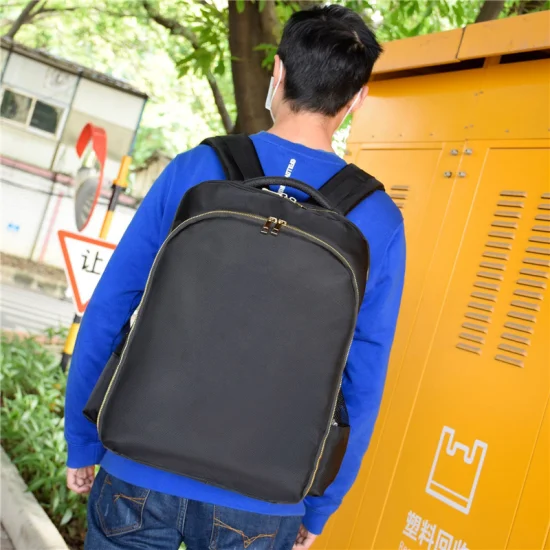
column 122, row 284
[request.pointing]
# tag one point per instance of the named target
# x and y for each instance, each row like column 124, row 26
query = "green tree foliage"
column 395, row 19
column 178, row 51
column 119, row 39
column 406, row 18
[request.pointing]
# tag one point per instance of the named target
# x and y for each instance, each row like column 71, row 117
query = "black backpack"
column 231, row 373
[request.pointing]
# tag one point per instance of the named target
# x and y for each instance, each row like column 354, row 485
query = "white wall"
column 21, row 209
column 24, row 197
column 114, row 110
column 108, row 104
column 118, row 142
column 25, row 145
column 3, row 58
column 39, row 79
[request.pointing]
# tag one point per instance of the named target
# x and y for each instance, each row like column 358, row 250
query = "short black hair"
column 328, row 54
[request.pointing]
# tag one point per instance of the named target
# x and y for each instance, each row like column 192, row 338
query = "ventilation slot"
column 507, row 214
column 500, row 237
column 399, row 194
column 529, row 292
column 538, row 239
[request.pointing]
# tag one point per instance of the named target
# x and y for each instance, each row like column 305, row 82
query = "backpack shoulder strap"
column 348, row 187
column 238, row 156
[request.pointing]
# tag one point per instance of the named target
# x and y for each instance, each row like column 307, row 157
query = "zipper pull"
column 267, row 225
column 297, row 203
column 277, row 228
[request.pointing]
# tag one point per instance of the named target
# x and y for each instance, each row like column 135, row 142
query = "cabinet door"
column 467, row 408
column 420, row 179
column 532, row 520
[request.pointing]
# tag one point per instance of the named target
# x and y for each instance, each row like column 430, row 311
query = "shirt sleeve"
column 115, row 298
column 364, row 376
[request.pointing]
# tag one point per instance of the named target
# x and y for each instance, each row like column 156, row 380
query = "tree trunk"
column 251, row 81
column 21, row 19
column 489, row 10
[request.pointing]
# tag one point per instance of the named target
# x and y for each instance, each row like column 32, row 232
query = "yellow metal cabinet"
column 481, row 375
column 460, row 457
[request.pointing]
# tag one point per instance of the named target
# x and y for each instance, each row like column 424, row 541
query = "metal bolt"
column 454, row 152
column 462, row 174
column 447, row 174
column 468, row 151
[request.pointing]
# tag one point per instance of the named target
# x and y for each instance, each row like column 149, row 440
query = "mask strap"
column 270, row 94
column 351, row 107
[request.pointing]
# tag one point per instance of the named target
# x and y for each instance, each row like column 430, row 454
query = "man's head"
column 327, row 58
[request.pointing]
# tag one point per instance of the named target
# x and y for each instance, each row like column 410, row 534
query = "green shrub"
column 32, row 396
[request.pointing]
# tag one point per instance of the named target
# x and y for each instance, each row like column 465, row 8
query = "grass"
column 31, row 420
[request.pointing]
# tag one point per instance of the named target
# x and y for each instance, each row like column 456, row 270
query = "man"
column 323, row 64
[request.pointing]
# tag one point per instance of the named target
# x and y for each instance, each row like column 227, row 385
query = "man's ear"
column 363, row 95
column 277, row 68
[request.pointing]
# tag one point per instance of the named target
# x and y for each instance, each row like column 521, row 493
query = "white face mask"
column 350, row 108
column 271, row 92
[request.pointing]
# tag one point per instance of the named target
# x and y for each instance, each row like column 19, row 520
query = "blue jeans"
column 123, row 516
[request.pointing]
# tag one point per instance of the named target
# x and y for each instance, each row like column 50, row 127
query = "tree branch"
column 177, row 29
column 41, row 12
column 44, row 14
column 23, row 17
column 489, row 10
column 54, row 10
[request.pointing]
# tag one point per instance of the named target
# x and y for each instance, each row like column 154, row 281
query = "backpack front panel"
column 231, row 372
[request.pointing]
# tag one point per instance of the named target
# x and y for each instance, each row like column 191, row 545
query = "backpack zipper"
column 284, row 196
column 267, row 225
column 280, row 223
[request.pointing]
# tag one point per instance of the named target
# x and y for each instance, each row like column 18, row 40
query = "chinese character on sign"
column 86, row 265
column 427, row 534
column 422, row 531
column 85, row 260
column 413, row 525
column 444, row 541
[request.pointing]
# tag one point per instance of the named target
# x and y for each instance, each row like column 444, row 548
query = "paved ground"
column 30, row 311
column 5, row 542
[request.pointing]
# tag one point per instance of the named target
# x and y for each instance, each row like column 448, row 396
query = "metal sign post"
column 119, row 184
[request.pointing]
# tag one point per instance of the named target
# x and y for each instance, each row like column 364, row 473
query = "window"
column 15, row 106
column 30, row 112
column 45, row 117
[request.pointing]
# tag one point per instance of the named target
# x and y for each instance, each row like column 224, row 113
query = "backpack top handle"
column 266, row 181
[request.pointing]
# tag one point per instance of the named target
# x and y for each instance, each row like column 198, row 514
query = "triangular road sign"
column 85, row 260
